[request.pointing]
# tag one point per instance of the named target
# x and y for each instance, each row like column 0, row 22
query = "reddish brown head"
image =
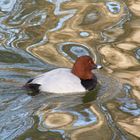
column 83, row 67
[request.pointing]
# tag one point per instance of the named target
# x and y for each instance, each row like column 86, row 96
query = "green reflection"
column 91, row 95
column 10, row 57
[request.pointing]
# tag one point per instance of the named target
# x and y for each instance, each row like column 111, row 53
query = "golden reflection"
column 126, row 46
column 49, row 54
column 135, row 23
column 134, row 36
column 94, row 16
column 94, row 130
column 91, row 17
column 58, row 120
column 117, row 59
column 131, row 77
column 131, row 125
column 136, row 93
column 135, row 6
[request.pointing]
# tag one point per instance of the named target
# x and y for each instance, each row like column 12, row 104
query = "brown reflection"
column 131, row 125
column 126, row 46
column 88, row 16
column 49, row 54
column 58, row 120
column 117, row 59
column 134, row 36
column 94, row 16
column 136, row 93
column 135, row 6
column 131, row 77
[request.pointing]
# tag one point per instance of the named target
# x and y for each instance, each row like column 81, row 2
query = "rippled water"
column 39, row 35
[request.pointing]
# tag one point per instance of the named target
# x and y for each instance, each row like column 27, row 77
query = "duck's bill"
column 98, row 67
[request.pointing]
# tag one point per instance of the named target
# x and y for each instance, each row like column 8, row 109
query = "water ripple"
column 138, row 53
column 113, row 6
column 71, row 31
column 73, row 119
column 7, row 5
column 128, row 104
column 72, row 50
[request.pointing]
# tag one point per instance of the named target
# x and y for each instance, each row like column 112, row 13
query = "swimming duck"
column 63, row 80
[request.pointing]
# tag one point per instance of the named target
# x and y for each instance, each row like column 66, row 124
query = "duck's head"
column 83, row 67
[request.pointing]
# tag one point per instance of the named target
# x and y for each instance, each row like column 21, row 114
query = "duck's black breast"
column 89, row 84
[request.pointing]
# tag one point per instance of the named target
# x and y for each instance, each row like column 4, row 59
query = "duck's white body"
column 60, row 80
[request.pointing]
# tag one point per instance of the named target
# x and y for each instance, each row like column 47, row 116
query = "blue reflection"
column 134, row 112
column 129, row 105
column 72, row 50
column 7, row 5
column 84, row 34
column 113, row 6
column 127, row 88
column 82, row 118
column 79, row 51
column 85, row 120
column 138, row 53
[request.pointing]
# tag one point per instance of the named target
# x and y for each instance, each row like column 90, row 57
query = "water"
column 40, row 35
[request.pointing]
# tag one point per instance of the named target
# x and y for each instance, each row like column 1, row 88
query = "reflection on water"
column 113, row 6
column 72, row 50
column 37, row 36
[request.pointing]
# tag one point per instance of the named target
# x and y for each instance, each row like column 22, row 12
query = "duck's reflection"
column 65, row 112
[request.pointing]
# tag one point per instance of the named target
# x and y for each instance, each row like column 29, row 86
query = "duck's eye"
column 89, row 62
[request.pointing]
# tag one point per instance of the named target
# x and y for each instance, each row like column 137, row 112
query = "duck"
column 80, row 78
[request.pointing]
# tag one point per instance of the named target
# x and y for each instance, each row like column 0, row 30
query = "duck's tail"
column 32, row 88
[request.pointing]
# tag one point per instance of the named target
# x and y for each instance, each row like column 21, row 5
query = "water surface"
column 39, row 35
